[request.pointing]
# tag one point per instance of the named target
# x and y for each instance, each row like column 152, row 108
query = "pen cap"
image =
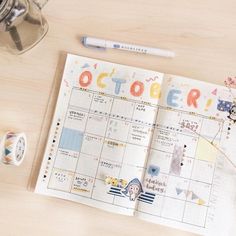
column 94, row 42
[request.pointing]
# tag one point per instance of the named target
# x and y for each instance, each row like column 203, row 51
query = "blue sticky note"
column 71, row 139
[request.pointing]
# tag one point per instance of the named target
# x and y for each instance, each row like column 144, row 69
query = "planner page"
column 194, row 130
column 100, row 134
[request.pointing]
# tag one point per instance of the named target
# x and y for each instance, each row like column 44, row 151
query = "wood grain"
column 203, row 35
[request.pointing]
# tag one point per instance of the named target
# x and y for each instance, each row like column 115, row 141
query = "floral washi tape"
column 115, row 182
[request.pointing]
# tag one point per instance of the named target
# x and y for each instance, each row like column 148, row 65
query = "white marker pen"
column 103, row 44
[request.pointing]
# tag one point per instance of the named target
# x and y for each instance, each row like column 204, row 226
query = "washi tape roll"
column 13, row 148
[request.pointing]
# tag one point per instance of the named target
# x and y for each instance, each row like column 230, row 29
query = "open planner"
column 140, row 143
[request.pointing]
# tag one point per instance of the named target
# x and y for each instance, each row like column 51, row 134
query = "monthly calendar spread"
column 138, row 142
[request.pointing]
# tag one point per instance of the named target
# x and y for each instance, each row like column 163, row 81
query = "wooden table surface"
column 203, row 35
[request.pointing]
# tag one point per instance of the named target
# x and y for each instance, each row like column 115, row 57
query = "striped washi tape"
column 13, row 148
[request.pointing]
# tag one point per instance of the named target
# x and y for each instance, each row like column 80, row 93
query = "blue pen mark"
column 71, row 139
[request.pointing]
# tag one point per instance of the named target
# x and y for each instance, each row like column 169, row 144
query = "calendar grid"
column 165, row 196
column 142, row 128
column 82, row 141
column 191, row 172
column 57, row 149
column 125, row 147
column 211, row 187
column 100, row 153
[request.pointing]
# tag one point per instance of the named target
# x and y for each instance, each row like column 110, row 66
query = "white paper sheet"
column 136, row 142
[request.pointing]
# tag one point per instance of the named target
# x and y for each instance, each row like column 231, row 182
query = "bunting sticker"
column 191, row 195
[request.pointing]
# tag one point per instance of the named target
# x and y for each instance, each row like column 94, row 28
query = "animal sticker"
column 133, row 189
column 232, row 113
